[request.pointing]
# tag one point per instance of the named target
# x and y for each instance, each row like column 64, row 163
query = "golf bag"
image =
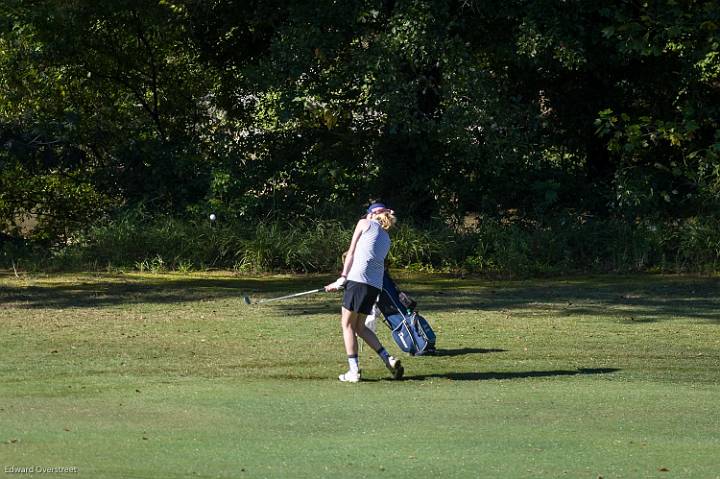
column 411, row 332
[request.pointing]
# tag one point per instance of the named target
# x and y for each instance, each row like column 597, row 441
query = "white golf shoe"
column 350, row 377
column 395, row 367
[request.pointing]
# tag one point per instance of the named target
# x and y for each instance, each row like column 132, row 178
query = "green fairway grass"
column 170, row 376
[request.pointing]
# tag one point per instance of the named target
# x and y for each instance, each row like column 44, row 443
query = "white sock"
column 354, row 363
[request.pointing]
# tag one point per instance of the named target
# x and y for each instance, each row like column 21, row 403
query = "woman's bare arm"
column 360, row 228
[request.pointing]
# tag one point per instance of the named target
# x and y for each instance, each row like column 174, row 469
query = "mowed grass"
column 169, row 376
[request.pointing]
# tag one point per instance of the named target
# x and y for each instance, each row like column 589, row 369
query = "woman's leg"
column 354, row 324
column 348, row 320
column 366, row 333
column 393, row 364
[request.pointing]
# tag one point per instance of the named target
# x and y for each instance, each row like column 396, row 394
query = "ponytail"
column 386, row 219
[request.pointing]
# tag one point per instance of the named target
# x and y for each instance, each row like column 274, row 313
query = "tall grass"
column 167, row 243
column 563, row 245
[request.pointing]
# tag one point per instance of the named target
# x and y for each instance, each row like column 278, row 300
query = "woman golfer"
column 362, row 278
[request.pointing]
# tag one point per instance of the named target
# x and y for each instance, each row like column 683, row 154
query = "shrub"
column 497, row 247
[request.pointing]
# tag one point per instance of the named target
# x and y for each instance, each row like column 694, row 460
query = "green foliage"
column 508, row 247
column 665, row 134
column 308, row 247
column 147, row 243
column 299, row 111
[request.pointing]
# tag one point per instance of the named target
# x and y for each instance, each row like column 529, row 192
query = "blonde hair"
column 386, row 219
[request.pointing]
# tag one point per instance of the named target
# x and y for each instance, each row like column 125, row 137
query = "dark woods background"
column 580, row 134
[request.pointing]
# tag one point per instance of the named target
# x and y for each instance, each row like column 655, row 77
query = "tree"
column 310, row 108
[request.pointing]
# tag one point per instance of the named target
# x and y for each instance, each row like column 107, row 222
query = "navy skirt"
column 359, row 297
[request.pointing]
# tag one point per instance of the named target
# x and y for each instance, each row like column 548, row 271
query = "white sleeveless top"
column 370, row 252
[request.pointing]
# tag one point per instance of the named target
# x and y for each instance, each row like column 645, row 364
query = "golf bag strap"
column 406, row 319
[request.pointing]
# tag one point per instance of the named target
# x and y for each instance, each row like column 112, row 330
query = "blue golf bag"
column 411, row 332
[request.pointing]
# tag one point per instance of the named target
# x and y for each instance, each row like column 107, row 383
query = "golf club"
column 249, row 301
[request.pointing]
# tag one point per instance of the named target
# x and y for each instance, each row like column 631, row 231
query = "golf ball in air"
column 213, row 217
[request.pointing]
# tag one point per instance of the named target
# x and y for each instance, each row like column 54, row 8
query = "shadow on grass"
column 631, row 299
column 464, row 351
column 486, row 376
column 110, row 290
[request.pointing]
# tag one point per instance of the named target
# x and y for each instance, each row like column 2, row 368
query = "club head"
column 246, row 299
